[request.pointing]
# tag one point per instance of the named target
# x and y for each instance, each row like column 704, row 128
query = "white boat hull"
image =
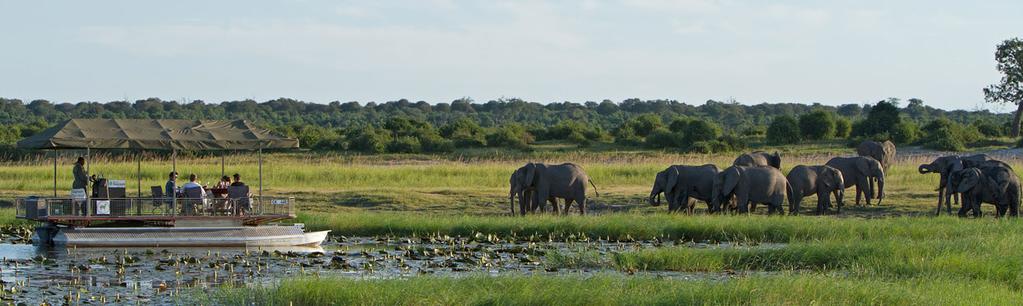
column 254, row 236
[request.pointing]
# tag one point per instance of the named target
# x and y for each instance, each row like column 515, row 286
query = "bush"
column 944, row 134
column 842, row 127
column 643, row 125
column 464, row 132
column 663, row 138
column 511, row 135
column 733, row 143
column 987, row 128
column 679, row 125
column 626, row 135
column 817, row 125
column 405, row 144
column 881, row 119
column 783, row 130
column 436, row 144
column 369, row 140
column 700, row 130
column 904, row 133
column 702, row 147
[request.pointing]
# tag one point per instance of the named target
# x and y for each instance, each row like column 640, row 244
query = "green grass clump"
column 784, row 288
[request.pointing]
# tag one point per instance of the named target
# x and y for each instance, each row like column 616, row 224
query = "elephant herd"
column 756, row 178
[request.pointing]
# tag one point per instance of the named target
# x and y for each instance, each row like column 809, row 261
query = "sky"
column 829, row 52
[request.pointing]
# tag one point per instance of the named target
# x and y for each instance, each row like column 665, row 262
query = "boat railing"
column 43, row 208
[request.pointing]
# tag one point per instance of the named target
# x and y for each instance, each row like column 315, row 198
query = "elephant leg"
column 743, row 202
column 965, row 208
column 857, row 194
column 873, row 184
column 870, row 190
column 683, row 200
column 941, row 197
column 582, row 205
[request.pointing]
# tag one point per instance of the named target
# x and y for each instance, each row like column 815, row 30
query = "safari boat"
column 109, row 217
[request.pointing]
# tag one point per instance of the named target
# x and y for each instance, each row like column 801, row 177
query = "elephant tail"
column 595, row 188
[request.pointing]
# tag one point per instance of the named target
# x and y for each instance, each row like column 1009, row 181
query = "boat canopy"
column 157, row 134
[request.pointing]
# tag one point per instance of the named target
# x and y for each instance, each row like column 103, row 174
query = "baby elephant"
column 820, row 180
column 993, row 184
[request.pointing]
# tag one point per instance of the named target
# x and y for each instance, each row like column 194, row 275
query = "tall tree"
column 1010, row 90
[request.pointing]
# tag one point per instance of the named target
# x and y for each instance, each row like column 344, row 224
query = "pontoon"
column 109, row 217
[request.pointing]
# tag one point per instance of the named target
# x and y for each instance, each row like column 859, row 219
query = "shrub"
column 679, row 125
column 700, row 130
column 733, row 143
column 842, row 127
column 944, row 134
column 987, row 128
column 436, row 143
column 702, row 147
column 783, row 130
column 369, row 140
column 642, row 125
column 663, row 138
column 626, row 135
column 464, row 132
column 817, row 125
column 904, row 133
column 405, row 144
column 511, row 135
column 882, row 118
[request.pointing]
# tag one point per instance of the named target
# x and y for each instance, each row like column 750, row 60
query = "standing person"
column 171, row 189
column 81, row 181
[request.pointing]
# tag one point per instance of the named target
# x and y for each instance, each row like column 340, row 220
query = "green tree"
column 817, row 125
column 783, row 130
column 464, row 132
column 842, row 127
column 700, row 130
column 882, row 117
column 1009, row 56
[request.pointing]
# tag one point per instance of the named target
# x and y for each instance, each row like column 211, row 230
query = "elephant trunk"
column 925, row 168
column 511, row 202
column 652, row 198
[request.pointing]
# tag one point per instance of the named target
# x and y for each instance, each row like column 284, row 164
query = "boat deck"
column 155, row 211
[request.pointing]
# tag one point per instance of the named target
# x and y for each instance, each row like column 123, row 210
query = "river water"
column 149, row 276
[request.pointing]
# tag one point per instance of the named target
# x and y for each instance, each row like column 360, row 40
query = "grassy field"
column 892, row 254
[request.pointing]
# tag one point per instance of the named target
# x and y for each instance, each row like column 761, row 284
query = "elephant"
column 988, row 184
column 679, row 183
column 945, row 166
column 566, row 181
column 750, row 184
column 758, row 158
column 821, row 180
column 883, row 152
column 858, row 171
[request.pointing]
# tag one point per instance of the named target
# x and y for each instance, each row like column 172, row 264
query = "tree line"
column 403, row 126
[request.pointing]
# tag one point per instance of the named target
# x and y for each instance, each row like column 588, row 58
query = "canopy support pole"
column 260, row 157
column 138, row 171
column 222, row 164
column 174, row 160
column 54, row 173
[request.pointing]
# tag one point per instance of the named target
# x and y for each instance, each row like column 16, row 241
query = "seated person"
column 237, row 180
column 224, row 182
column 192, row 183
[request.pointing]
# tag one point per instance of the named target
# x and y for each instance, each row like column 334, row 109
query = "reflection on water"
column 161, row 275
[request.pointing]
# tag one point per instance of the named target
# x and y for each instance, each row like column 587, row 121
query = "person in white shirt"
column 193, row 184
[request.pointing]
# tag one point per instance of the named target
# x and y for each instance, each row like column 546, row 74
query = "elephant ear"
column 672, row 176
column 954, row 164
column 967, row 181
column 776, row 160
column 530, row 173
column 731, row 179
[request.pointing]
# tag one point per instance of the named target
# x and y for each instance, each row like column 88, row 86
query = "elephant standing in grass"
column 883, row 152
column 945, row 166
column 544, row 182
column 859, row 171
column 751, row 184
column 991, row 183
column 680, row 184
column 820, row 180
column 758, row 158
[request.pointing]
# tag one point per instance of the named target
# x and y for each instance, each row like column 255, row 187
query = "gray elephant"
column 820, row 180
column 565, row 181
column 750, row 184
column 945, row 166
column 883, row 152
column 858, row 171
column 680, row 184
column 758, row 159
column 988, row 184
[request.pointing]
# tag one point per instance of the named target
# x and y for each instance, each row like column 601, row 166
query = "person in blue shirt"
column 170, row 190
